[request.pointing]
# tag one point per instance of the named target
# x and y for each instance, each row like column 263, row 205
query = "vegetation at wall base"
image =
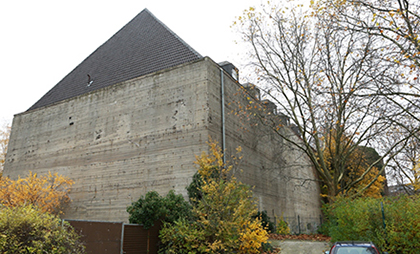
column 26, row 229
column 152, row 207
column 223, row 217
column 282, row 228
column 266, row 221
column 361, row 219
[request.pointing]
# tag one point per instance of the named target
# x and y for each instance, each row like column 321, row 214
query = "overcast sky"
column 42, row 41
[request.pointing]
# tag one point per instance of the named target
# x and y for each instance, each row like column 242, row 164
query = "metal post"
column 383, row 221
column 299, row 223
column 222, row 92
column 383, row 215
column 122, row 239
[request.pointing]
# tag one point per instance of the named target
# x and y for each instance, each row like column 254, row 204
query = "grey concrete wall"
column 120, row 142
column 284, row 180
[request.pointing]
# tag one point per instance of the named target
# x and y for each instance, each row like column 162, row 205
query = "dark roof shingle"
column 145, row 45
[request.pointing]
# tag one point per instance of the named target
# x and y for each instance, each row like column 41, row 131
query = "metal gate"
column 138, row 240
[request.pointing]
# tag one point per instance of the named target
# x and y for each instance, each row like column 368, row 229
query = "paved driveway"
column 300, row 247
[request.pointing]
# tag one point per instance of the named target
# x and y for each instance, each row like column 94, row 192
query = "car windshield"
column 356, row 250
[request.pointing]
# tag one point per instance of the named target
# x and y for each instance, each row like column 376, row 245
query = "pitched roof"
column 143, row 46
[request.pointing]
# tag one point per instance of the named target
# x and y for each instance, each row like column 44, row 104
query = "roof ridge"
column 144, row 45
column 173, row 33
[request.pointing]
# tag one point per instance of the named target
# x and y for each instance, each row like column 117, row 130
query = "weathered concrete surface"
column 282, row 175
column 120, row 142
column 300, row 247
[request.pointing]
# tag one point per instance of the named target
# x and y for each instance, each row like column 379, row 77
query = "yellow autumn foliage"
column 227, row 207
column 415, row 180
column 252, row 237
column 47, row 192
column 224, row 213
column 376, row 188
column 356, row 164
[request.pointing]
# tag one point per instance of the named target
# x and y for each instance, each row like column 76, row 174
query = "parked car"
column 354, row 247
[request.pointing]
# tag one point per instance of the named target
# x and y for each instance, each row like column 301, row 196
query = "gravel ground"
column 300, row 247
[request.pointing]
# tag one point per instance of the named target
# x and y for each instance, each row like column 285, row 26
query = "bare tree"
column 395, row 21
column 332, row 85
column 404, row 166
column 396, row 24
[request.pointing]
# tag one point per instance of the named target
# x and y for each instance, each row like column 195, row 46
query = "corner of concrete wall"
column 283, row 178
column 122, row 141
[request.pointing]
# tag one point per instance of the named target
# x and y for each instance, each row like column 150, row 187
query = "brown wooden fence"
column 116, row 237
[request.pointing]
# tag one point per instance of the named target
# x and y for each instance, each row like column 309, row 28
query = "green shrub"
column 403, row 224
column 361, row 219
column 266, row 221
column 25, row 229
column 282, row 228
column 152, row 207
column 352, row 218
column 182, row 237
column 267, row 247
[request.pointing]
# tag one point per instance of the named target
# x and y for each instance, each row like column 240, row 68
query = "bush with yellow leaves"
column 47, row 192
column 224, row 221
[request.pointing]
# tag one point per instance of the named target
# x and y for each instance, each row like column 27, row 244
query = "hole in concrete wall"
column 71, row 123
column 98, row 134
